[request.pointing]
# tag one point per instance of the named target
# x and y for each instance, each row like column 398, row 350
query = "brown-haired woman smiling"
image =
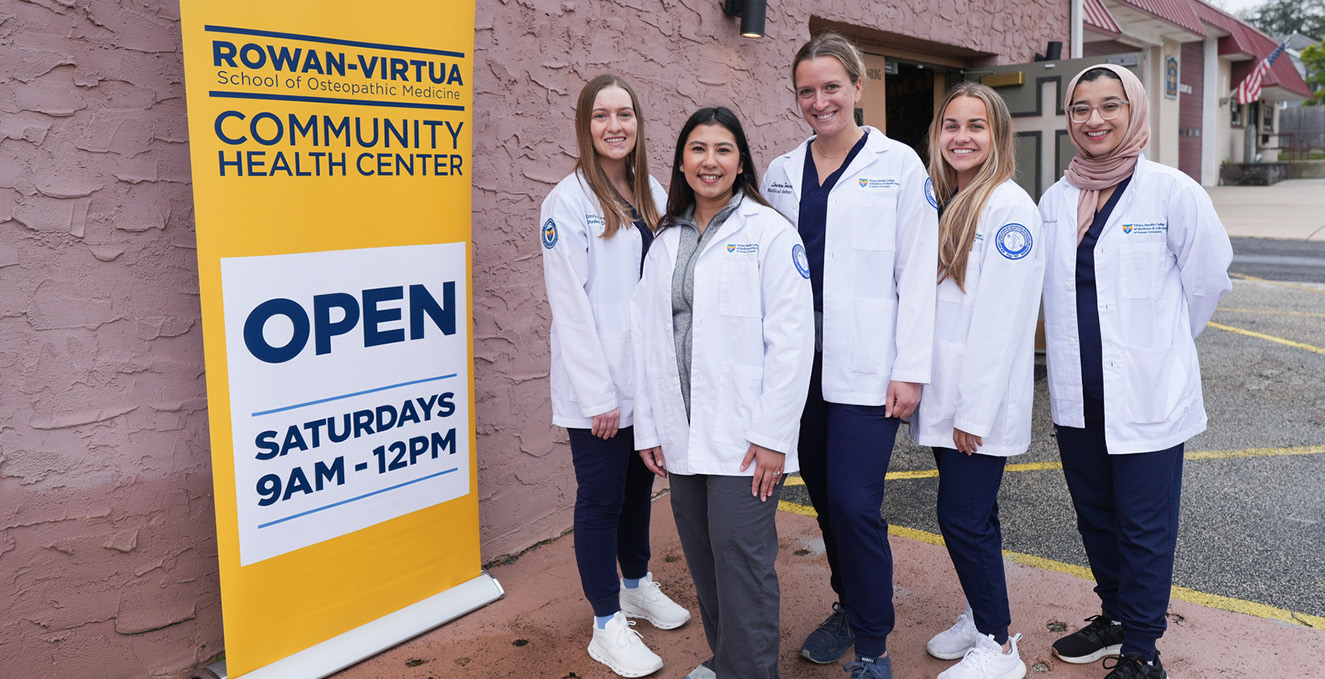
column 595, row 228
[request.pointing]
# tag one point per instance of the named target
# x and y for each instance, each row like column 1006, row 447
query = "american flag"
column 1249, row 89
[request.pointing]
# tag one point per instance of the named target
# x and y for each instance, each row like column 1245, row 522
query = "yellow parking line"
column 1274, row 312
column 1180, row 593
column 1252, row 452
column 1245, row 277
column 1044, row 466
column 1270, row 338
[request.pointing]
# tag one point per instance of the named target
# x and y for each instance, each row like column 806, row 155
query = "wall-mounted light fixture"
column 752, row 15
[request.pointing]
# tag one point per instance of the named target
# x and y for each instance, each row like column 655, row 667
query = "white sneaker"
column 954, row 642
column 647, row 601
column 988, row 661
column 622, row 649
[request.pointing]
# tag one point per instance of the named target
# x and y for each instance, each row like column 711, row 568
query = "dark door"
column 1191, row 85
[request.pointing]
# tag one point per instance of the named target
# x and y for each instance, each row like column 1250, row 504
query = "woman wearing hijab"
column 1137, row 260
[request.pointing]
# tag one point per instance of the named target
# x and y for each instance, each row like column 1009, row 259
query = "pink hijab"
column 1094, row 173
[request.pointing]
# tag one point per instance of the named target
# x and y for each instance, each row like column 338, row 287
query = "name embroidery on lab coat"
column 1153, row 227
column 1013, row 241
column 877, row 183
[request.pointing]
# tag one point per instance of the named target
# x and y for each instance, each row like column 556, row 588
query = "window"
column 1236, row 118
column 1267, row 117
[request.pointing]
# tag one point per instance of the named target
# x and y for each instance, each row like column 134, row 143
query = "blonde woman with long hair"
column 595, row 228
column 976, row 411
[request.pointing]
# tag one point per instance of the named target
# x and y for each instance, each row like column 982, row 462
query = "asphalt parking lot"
column 1252, row 533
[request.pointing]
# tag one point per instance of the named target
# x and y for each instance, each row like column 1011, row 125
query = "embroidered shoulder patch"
column 549, row 234
column 1013, row 241
column 801, row 260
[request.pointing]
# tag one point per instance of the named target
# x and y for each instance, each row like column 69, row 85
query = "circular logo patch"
column 549, row 234
column 929, row 193
column 801, row 260
column 1013, row 241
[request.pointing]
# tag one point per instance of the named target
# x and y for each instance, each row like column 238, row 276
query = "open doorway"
column 911, row 97
column 900, row 96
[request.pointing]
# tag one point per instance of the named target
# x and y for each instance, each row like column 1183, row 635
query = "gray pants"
column 730, row 542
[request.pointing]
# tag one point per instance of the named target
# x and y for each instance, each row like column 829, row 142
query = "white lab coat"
column 880, row 255
column 589, row 282
column 753, row 346
column 984, row 338
column 1161, row 267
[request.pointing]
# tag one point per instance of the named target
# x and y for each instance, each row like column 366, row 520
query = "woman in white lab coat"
column 724, row 337
column 1137, row 260
column 595, row 227
column 862, row 205
column 976, row 410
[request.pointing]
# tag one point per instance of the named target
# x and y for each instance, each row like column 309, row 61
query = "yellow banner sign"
column 331, row 157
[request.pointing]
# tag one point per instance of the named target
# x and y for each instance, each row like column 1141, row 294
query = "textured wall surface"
column 107, row 546
column 107, row 550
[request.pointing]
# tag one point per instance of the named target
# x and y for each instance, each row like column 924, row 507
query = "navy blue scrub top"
column 646, row 236
column 1088, row 310
column 813, row 220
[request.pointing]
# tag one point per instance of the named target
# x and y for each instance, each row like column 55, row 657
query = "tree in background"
column 1282, row 17
column 1313, row 58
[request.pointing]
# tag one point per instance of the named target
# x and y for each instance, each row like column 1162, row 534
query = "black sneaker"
column 830, row 640
column 1132, row 666
column 1100, row 639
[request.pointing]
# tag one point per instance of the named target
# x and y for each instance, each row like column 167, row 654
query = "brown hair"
column 961, row 213
column 637, row 163
column 835, row 45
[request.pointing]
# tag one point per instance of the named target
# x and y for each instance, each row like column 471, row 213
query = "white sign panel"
column 348, row 389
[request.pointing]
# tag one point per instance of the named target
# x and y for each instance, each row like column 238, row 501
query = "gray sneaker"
column 830, row 640
column 870, row 668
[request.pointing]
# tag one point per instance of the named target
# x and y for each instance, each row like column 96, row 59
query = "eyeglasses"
column 1080, row 113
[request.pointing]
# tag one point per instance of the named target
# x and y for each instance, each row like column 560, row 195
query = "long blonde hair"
column 637, row 162
column 961, row 213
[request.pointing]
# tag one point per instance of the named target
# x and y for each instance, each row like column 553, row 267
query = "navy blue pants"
column 612, row 498
column 844, row 454
column 1127, row 513
column 968, row 519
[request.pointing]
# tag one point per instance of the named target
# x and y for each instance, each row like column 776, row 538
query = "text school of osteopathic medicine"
column 276, row 335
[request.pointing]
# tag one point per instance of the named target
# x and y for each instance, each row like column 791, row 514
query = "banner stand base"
column 341, row 651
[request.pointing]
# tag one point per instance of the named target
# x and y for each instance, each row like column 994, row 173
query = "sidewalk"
column 1297, row 206
column 541, row 627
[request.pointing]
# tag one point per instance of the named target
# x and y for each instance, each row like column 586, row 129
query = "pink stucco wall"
column 107, row 549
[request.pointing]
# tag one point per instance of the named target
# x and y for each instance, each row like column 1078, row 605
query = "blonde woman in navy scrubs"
column 862, row 205
column 976, row 412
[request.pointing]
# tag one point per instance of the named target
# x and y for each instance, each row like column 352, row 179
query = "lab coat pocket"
column 740, row 387
column 1157, row 382
column 620, row 362
column 666, row 417
column 940, row 398
column 873, row 223
column 1141, row 270
column 872, row 327
column 738, row 293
